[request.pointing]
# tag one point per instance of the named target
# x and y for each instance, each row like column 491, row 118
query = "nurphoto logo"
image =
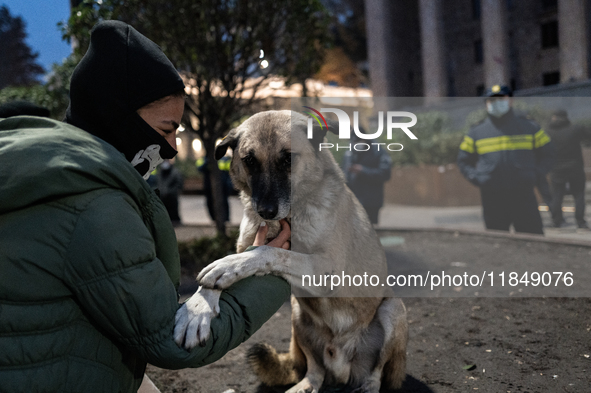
column 392, row 123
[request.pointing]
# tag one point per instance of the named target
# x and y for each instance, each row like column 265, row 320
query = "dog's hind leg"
column 299, row 359
column 393, row 313
column 274, row 368
column 381, row 360
column 307, row 353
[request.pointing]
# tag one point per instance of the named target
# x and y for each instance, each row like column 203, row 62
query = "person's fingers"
column 283, row 236
column 286, row 245
column 261, row 235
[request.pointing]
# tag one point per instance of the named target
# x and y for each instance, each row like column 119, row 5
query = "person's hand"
column 282, row 239
column 356, row 168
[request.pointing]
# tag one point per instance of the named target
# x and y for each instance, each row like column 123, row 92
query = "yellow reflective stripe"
column 505, row 142
column 505, row 139
column 540, row 139
column 224, row 165
column 504, row 146
column 200, row 161
column 467, row 144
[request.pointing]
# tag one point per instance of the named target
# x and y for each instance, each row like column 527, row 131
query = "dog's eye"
column 248, row 160
column 290, row 159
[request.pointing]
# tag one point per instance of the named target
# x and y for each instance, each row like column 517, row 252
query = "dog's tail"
column 272, row 368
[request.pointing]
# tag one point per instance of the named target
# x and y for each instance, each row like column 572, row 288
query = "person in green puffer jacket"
column 89, row 264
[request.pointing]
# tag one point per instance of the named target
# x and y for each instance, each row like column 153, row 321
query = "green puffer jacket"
column 89, row 268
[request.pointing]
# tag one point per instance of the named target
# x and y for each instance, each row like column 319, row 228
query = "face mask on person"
column 498, row 107
column 150, row 148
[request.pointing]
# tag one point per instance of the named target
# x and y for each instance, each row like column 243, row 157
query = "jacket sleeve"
column 382, row 172
column 126, row 293
column 467, row 159
column 544, row 152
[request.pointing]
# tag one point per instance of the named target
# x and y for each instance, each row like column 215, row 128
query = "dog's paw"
column 226, row 271
column 368, row 388
column 193, row 319
column 304, row 386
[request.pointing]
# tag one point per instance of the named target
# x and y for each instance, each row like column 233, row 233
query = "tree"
column 339, row 68
column 345, row 62
column 226, row 49
column 347, row 26
column 17, row 62
column 53, row 95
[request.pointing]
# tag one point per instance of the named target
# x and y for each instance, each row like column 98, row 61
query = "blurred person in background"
column 568, row 171
column 504, row 156
column 169, row 183
column 227, row 187
column 365, row 173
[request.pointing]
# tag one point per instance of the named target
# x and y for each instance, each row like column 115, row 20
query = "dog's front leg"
column 264, row 260
column 248, row 231
column 224, row 272
column 193, row 319
column 314, row 376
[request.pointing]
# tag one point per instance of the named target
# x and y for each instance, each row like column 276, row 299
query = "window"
column 478, row 53
column 551, row 78
column 549, row 34
column 479, row 90
column 475, row 9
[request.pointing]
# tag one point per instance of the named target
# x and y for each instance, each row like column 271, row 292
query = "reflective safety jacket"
column 505, row 152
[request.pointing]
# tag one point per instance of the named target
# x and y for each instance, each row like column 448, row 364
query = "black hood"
column 121, row 72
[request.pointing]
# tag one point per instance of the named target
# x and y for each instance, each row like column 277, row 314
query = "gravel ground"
column 459, row 342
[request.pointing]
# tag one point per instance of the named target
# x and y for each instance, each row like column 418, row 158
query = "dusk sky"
column 43, row 36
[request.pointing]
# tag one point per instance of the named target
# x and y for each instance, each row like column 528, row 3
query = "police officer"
column 170, row 185
column 503, row 155
column 227, row 187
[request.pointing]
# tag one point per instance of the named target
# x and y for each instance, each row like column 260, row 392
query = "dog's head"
column 271, row 154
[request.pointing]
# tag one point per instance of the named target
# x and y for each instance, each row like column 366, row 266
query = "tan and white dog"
column 354, row 337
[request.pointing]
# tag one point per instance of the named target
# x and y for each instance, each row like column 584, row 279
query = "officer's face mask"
column 498, row 107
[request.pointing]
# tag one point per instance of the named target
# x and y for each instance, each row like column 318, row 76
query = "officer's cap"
column 499, row 91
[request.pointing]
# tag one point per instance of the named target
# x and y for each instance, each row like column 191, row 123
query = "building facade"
column 439, row 48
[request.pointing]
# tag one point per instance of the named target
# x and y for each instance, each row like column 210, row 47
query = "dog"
column 356, row 339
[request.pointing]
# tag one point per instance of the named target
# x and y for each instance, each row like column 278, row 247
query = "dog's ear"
column 318, row 132
column 230, row 140
column 333, row 126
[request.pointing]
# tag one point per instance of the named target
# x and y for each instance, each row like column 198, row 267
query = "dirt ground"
column 461, row 343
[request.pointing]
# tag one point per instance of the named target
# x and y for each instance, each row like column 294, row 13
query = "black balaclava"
column 121, row 72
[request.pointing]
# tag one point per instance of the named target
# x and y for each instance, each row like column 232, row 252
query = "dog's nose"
column 268, row 212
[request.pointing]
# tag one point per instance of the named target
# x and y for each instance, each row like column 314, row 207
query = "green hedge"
column 198, row 253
